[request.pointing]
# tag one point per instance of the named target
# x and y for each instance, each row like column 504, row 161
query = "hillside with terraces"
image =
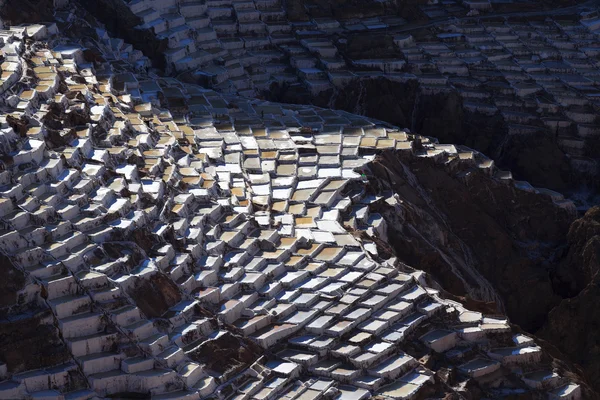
column 166, row 232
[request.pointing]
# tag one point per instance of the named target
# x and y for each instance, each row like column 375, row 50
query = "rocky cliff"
column 573, row 325
column 498, row 247
column 573, row 328
column 536, row 158
column 580, row 261
column 478, row 236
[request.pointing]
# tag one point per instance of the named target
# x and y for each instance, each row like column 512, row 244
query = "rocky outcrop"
column 11, row 283
column 573, row 327
column 31, row 341
column 29, row 338
column 155, row 295
column 581, row 260
column 475, row 234
column 536, row 158
column 227, row 353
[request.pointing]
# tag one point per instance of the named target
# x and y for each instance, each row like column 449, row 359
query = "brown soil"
column 227, row 353
column 29, row 343
column 12, row 281
column 155, row 295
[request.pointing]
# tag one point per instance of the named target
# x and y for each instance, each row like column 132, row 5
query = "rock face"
column 580, row 262
column 13, row 281
column 534, row 157
column 476, row 235
column 572, row 326
column 227, row 353
column 31, row 342
column 155, row 295
column 28, row 337
column 506, row 247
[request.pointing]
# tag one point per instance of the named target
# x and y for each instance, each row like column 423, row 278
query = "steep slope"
column 573, row 325
column 182, row 243
column 580, row 260
column 504, row 248
column 535, row 157
column 476, row 235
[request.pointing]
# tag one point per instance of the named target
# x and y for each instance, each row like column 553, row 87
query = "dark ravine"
column 573, row 325
column 580, row 261
column 471, row 233
column 536, row 158
column 477, row 236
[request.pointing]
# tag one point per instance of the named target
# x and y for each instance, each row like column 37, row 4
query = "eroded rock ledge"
column 478, row 236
